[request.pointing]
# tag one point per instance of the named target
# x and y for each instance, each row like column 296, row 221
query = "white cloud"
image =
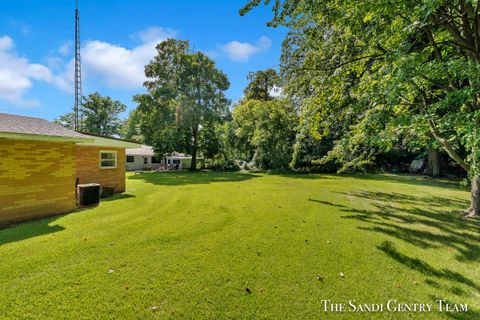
column 154, row 34
column 117, row 66
column 242, row 51
column 65, row 48
column 17, row 73
column 64, row 78
column 6, row 43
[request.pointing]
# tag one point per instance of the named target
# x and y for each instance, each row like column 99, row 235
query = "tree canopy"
column 100, row 115
column 264, row 132
column 185, row 99
column 383, row 71
column 263, row 84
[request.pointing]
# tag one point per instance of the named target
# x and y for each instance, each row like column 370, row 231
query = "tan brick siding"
column 37, row 179
column 89, row 171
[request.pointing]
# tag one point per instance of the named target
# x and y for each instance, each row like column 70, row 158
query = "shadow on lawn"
column 309, row 176
column 430, row 228
column 183, row 178
column 29, row 229
column 421, row 266
column 400, row 198
column 117, row 196
column 422, row 221
column 26, row 230
column 426, row 269
column 418, row 180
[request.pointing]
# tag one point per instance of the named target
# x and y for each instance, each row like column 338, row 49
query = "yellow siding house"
column 41, row 163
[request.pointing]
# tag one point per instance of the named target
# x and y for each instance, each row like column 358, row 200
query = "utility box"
column 88, row 194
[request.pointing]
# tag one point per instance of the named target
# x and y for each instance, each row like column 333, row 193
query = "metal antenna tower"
column 78, row 73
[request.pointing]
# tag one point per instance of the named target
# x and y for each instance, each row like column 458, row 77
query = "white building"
column 144, row 158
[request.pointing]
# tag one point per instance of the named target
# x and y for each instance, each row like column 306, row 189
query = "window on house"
column 108, row 159
column 130, row 159
column 156, row 160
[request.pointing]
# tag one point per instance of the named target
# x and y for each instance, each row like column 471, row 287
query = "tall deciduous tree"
column 186, row 93
column 385, row 66
column 101, row 115
column 262, row 84
column 131, row 129
column 158, row 123
column 264, row 132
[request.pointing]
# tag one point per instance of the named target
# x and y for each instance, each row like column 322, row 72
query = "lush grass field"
column 183, row 245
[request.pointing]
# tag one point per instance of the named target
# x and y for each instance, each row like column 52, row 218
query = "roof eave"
column 98, row 141
column 42, row 137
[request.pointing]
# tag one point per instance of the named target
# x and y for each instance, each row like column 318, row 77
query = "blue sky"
column 118, row 39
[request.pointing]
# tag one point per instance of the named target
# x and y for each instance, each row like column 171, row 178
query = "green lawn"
column 188, row 245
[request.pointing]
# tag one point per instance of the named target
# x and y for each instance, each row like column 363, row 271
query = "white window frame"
column 100, row 159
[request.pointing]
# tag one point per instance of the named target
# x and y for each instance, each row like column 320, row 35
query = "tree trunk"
column 193, row 165
column 447, row 146
column 474, row 210
column 433, row 166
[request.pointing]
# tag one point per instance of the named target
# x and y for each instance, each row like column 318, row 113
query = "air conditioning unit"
column 88, row 194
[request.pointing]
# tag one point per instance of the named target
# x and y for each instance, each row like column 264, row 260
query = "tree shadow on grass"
column 430, row 228
column 412, row 179
column 446, row 274
column 421, row 266
column 26, row 230
column 328, row 203
column 424, row 221
column 399, row 198
column 424, row 228
column 309, row 176
column 185, row 178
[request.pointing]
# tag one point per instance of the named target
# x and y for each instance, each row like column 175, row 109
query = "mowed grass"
column 188, row 245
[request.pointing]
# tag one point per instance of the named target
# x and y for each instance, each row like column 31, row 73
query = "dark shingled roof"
column 35, row 126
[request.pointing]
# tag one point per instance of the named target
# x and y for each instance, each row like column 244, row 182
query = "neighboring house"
column 179, row 161
column 144, row 158
column 41, row 163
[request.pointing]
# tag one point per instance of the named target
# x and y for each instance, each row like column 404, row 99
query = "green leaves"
column 368, row 17
column 262, row 84
column 185, row 97
column 100, row 116
column 264, row 132
column 379, row 74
